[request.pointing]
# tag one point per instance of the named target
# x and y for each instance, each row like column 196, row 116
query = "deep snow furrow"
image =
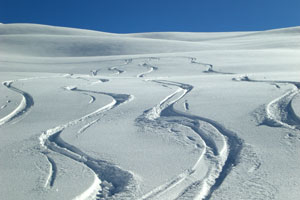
column 279, row 111
column 229, row 154
column 114, row 182
column 112, row 179
column 24, row 106
column 217, row 143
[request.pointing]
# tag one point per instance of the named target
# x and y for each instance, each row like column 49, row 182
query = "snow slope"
column 94, row 115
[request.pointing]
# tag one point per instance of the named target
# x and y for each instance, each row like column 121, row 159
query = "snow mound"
column 48, row 41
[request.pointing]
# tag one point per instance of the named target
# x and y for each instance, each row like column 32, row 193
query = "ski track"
column 52, row 171
column 211, row 71
column 110, row 182
column 186, row 105
column 27, row 100
column 279, row 112
column 3, row 106
column 24, row 106
column 151, row 69
column 209, row 67
column 85, row 127
column 74, row 88
column 118, row 71
column 113, row 181
column 92, row 98
column 194, row 61
column 87, row 78
column 26, row 103
column 221, row 148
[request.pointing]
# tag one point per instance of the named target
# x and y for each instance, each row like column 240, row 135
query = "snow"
column 94, row 115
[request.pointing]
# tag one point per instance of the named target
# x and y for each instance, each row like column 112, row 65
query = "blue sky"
column 127, row 16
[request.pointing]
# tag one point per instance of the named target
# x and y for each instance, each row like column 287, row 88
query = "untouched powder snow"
column 88, row 115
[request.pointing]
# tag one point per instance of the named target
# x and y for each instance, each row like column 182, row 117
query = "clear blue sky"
column 126, row 16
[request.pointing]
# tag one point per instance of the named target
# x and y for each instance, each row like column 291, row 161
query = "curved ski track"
column 279, row 112
column 73, row 88
column 117, row 70
column 209, row 67
column 221, row 148
column 24, row 106
column 151, row 69
column 26, row 103
column 110, row 180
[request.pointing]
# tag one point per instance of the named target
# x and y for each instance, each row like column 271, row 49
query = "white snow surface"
column 94, row 115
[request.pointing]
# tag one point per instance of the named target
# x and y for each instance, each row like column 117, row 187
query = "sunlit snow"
column 94, row 115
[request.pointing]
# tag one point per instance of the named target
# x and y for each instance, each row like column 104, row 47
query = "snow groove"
column 87, row 126
column 118, row 71
column 186, row 105
column 74, row 88
column 150, row 67
column 52, row 171
column 279, row 112
column 24, row 106
column 110, row 180
column 209, row 67
column 221, row 148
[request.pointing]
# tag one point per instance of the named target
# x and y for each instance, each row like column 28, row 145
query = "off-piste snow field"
column 94, row 115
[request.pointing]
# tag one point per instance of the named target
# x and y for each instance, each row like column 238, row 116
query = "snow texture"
column 94, row 115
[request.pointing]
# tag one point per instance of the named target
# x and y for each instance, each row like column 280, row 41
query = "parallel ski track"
column 221, row 150
column 26, row 103
column 106, row 173
column 110, row 181
column 223, row 153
